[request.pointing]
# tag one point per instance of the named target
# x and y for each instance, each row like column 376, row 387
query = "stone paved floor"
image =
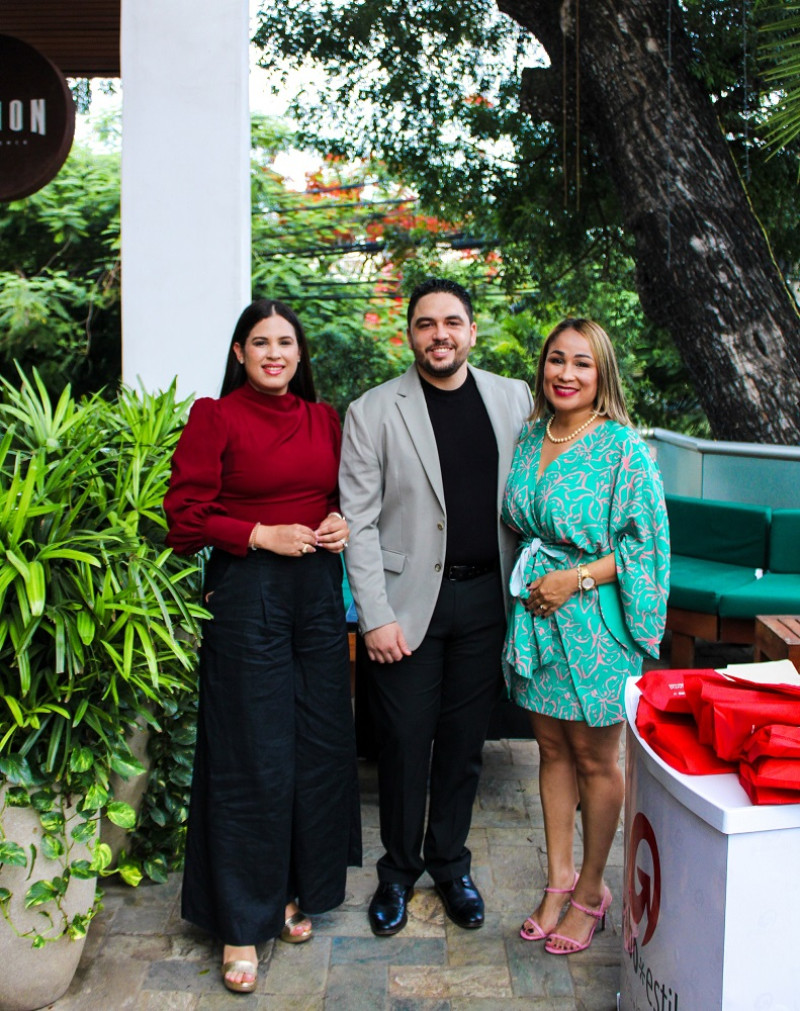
column 141, row 955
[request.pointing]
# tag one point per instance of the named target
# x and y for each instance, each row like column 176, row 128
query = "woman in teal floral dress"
column 589, row 601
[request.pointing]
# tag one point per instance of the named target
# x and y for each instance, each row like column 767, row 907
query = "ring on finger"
column 304, row 549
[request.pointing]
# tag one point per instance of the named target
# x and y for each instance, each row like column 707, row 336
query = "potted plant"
column 97, row 626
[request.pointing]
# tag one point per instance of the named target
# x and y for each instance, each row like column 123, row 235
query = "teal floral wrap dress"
column 601, row 495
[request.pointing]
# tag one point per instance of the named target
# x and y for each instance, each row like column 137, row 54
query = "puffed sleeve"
column 639, row 535
column 195, row 518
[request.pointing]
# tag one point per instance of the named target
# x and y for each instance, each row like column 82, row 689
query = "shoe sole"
column 390, row 931
column 464, row 926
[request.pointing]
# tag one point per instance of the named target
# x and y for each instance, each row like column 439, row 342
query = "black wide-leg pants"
column 274, row 812
column 431, row 713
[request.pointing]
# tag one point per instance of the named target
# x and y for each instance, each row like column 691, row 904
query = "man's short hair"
column 430, row 286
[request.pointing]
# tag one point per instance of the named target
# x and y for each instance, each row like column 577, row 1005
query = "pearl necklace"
column 571, row 436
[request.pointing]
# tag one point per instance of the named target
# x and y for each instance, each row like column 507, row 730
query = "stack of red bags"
column 701, row 722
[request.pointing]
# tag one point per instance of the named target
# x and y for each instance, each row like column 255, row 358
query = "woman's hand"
column 291, row 539
column 333, row 533
column 550, row 591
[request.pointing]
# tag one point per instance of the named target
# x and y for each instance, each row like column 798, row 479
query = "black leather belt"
column 462, row 572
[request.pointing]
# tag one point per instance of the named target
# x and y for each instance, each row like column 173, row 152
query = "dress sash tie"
column 521, row 575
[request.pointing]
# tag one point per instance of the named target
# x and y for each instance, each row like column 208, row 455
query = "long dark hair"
column 302, row 382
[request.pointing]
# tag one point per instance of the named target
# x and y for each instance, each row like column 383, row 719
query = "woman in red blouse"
column 274, row 818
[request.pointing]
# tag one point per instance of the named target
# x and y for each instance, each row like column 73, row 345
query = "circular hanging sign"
column 37, row 119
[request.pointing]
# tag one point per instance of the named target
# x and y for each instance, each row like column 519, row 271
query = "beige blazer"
column 391, row 491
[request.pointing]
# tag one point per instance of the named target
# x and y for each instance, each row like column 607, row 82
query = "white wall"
column 185, row 189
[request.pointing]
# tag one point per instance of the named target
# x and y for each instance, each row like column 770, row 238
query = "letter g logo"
column 644, row 892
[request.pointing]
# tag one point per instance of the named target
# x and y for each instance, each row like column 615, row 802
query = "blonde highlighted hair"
column 610, row 400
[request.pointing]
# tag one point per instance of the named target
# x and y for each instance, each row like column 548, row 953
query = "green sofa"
column 730, row 562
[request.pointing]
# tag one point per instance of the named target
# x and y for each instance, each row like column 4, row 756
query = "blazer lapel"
column 496, row 408
column 414, row 412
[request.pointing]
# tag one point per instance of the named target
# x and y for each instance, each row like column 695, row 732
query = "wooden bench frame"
column 686, row 626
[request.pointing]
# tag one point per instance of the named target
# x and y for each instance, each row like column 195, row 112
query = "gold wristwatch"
column 586, row 580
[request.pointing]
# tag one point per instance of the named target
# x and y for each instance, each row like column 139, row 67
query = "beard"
column 440, row 370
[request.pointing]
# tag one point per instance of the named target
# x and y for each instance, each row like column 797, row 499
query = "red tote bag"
column 776, row 741
column 673, row 737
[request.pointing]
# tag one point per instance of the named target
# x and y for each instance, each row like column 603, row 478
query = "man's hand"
column 386, row 643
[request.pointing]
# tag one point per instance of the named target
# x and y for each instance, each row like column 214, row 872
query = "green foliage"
column 780, row 54
column 433, row 90
column 159, row 841
column 97, row 628
column 60, row 283
column 325, row 252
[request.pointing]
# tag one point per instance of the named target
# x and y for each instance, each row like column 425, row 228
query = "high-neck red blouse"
column 251, row 458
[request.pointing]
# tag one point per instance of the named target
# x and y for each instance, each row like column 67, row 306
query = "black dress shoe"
column 462, row 901
column 387, row 911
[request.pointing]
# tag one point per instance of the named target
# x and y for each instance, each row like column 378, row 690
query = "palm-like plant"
column 780, row 59
column 97, row 617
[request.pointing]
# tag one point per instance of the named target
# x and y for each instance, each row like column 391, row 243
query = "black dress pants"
column 274, row 812
column 431, row 712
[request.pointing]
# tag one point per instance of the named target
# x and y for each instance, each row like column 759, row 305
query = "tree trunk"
column 704, row 268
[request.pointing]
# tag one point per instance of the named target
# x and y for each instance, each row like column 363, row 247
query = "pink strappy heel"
column 536, row 933
column 570, row 944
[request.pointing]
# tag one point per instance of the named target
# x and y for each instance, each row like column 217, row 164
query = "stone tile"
column 498, row 817
column 535, row 973
column 516, row 868
column 297, row 968
column 596, row 987
column 502, row 794
column 507, row 836
column 194, row 945
column 343, row 923
column 361, row 884
column 450, row 983
column 142, row 947
column 150, row 1000
column 402, row 949
column 227, row 1001
column 496, row 751
column 148, row 918
column 183, row 975
column 477, row 947
column 107, row 983
column 360, row 987
column 142, row 956
column 478, row 845
column 515, row 1004
column 418, row 1004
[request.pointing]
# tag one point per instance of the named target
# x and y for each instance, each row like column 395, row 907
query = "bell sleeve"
column 639, row 535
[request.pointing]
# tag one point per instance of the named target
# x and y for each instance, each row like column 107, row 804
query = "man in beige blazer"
column 424, row 465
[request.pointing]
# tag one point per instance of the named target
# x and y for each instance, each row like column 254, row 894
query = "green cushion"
column 697, row 585
column 719, row 531
column 775, row 593
column 784, row 541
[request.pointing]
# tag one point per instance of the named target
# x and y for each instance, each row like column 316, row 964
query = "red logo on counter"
column 644, row 890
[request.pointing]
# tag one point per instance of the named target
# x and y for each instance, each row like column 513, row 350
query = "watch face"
column 588, row 582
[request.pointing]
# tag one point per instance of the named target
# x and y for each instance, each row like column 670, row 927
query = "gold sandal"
column 292, row 921
column 239, row 965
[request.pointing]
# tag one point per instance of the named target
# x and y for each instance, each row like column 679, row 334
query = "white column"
column 185, row 189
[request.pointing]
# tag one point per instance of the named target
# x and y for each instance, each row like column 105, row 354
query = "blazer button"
column 440, row 526
column 437, row 567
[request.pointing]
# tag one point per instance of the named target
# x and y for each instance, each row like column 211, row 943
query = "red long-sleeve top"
column 251, row 458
